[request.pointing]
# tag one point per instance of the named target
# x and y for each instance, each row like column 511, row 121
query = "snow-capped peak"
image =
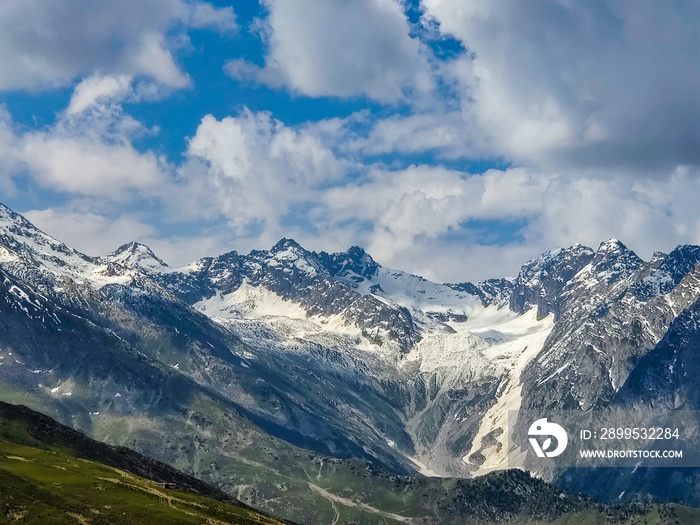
column 614, row 261
column 667, row 270
column 22, row 238
column 136, row 256
column 19, row 229
column 24, row 246
column 288, row 245
column 7, row 215
column 352, row 266
column 542, row 279
column 611, row 246
column 289, row 253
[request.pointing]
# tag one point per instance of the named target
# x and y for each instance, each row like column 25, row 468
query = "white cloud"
column 9, row 151
column 206, row 16
column 419, row 218
column 447, row 133
column 422, row 203
column 269, row 180
column 241, row 69
column 252, row 168
column 343, row 49
column 558, row 92
column 177, row 250
column 152, row 58
column 98, row 88
column 446, row 261
column 646, row 214
column 573, row 84
column 97, row 233
column 49, row 43
column 87, row 153
column 87, row 165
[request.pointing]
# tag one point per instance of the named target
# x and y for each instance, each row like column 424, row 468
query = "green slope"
column 45, row 479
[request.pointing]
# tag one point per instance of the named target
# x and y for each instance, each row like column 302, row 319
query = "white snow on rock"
column 137, row 256
column 291, row 255
column 493, row 342
column 250, row 302
column 33, row 247
column 415, row 293
column 525, row 339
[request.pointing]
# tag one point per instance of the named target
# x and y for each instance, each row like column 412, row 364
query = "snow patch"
column 250, row 302
column 415, row 293
column 527, row 339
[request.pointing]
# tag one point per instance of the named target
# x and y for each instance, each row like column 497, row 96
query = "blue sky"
column 450, row 138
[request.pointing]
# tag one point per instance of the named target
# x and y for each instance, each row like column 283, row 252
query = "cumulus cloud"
column 259, row 172
column 580, row 99
column 269, row 180
column 205, row 16
column 648, row 215
column 582, row 84
column 444, row 132
column 87, row 165
column 443, row 260
column 421, row 219
column 416, row 206
column 98, row 88
column 254, row 168
column 341, row 49
column 48, row 43
column 88, row 153
column 10, row 158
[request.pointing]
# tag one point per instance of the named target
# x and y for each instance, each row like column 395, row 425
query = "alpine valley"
column 327, row 389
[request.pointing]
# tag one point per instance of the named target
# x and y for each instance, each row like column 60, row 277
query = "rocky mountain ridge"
column 332, row 353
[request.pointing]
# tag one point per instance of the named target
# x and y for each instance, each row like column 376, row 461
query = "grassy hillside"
column 50, row 474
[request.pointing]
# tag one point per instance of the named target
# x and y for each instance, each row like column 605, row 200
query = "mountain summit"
column 137, row 256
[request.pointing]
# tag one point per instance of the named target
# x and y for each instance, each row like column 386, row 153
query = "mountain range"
column 325, row 388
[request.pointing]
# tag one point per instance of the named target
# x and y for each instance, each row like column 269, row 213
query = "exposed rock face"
column 491, row 291
column 605, row 327
column 541, row 281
